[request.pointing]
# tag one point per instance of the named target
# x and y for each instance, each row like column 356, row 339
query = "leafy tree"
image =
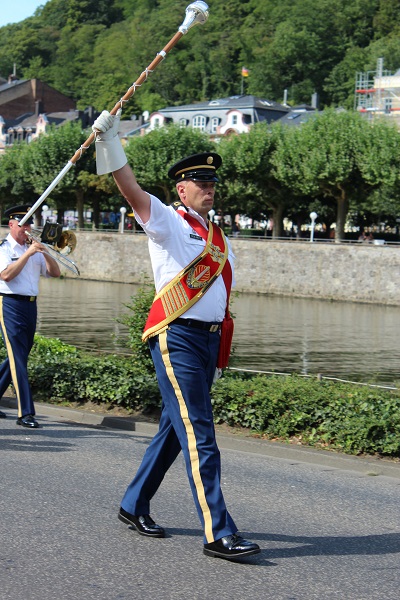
column 73, row 67
column 339, row 156
column 151, row 156
column 249, row 183
column 13, row 187
column 319, row 159
column 378, row 157
column 47, row 156
column 80, row 12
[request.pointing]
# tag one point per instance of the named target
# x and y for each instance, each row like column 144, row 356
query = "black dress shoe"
column 143, row 524
column 231, row 547
column 28, row 421
column 2, row 415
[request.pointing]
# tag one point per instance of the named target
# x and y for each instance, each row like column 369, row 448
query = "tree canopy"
column 335, row 164
column 92, row 50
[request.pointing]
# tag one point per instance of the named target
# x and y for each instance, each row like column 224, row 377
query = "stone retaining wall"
column 349, row 272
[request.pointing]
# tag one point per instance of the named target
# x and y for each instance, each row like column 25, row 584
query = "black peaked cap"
column 18, row 212
column 198, row 167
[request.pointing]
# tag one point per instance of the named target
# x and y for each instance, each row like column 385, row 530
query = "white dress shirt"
column 26, row 283
column 173, row 244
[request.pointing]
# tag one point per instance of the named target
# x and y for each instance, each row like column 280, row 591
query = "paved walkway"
column 327, row 530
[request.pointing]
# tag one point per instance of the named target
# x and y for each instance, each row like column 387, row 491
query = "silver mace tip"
column 196, row 14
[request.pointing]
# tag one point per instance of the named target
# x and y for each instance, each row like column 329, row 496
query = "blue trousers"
column 18, row 326
column 185, row 361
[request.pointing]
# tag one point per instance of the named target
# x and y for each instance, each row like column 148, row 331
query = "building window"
column 234, row 119
column 388, row 105
column 182, row 122
column 156, row 123
column 199, row 122
column 214, row 124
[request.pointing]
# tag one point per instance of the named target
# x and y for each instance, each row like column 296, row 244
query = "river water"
column 356, row 342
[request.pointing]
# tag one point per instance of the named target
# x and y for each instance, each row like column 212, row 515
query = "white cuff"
column 110, row 156
column 217, row 375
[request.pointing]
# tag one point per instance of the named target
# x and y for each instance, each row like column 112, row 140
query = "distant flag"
column 245, row 72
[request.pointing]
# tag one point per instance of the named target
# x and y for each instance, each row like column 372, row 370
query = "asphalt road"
column 328, row 526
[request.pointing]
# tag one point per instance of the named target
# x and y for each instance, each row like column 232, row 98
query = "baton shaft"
column 46, row 193
column 141, row 79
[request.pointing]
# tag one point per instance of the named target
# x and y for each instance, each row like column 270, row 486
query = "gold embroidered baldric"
column 188, row 286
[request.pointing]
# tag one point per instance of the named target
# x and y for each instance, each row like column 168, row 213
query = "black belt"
column 19, row 297
column 212, row 327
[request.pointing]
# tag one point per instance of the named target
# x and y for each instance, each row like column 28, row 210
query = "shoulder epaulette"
column 178, row 204
column 2, row 241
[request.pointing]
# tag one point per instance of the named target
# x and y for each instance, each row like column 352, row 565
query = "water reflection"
column 346, row 340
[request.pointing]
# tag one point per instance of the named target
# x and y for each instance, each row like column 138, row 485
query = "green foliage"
column 345, row 417
column 135, row 320
column 28, row 169
column 151, row 154
column 337, row 156
column 96, row 48
column 249, row 184
column 61, row 373
column 12, row 169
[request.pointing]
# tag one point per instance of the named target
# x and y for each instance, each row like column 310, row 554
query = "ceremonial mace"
column 196, row 14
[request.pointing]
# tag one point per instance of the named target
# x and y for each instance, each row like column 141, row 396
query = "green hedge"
column 60, row 373
column 346, row 417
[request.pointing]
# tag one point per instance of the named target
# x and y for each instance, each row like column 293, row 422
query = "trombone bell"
column 58, row 244
column 66, row 244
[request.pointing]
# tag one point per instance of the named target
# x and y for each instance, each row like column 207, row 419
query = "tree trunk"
column 96, row 212
column 277, row 216
column 79, row 208
column 342, row 209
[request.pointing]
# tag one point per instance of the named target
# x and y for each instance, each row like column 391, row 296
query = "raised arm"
column 132, row 192
column 111, row 158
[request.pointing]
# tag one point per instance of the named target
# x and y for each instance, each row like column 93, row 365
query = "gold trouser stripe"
column 191, row 437
column 10, row 358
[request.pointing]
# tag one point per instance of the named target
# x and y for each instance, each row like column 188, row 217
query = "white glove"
column 110, row 155
column 217, row 375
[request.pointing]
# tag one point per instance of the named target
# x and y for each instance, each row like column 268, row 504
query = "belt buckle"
column 214, row 328
column 32, row 298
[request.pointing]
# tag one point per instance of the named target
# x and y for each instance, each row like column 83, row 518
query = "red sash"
column 188, row 286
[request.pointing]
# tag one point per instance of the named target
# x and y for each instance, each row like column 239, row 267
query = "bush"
column 135, row 321
column 61, row 373
column 353, row 419
column 346, row 417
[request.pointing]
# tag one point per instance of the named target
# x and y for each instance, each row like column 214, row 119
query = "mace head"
column 196, row 14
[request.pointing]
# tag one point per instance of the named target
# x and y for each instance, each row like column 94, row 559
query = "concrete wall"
column 349, row 272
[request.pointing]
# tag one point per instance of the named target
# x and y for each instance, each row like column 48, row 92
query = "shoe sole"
column 132, row 524
column 237, row 556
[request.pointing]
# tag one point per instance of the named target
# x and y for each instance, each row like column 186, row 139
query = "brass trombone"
column 59, row 244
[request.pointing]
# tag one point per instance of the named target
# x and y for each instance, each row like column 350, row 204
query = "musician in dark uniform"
column 193, row 271
column 21, row 265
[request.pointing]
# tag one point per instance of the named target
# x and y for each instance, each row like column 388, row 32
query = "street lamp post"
column 45, row 208
column 313, row 216
column 122, row 210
